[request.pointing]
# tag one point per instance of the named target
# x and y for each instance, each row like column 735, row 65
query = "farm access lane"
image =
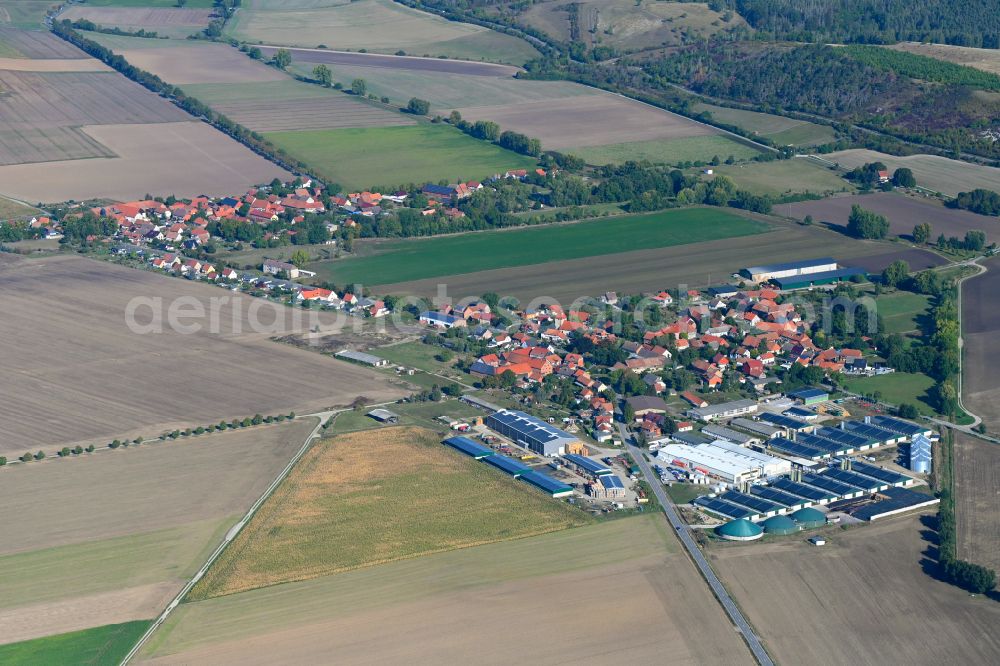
column 732, row 610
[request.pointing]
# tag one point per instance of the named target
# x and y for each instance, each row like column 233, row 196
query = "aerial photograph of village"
column 499, row 331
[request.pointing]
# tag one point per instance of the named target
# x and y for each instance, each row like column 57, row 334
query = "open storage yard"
column 118, row 532
column 864, row 598
column 98, row 380
column 940, row 174
column 376, row 25
column 172, row 21
column 980, row 331
column 490, row 604
column 977, row 500
column 903, row 212
column 331, row 514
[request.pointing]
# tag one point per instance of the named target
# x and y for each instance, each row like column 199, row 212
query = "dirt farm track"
column 75, row 372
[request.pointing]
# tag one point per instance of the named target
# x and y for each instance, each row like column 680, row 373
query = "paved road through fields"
column 732, row 610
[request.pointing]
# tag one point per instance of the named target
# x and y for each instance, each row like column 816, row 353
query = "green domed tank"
column 780, row 525
column 739, row 530
column 809, row 518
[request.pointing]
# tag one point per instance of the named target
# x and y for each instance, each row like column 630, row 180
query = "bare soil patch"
column 980, row 331
column 39, row 44
column 191, row 158
column 53, row 65
column 591, row 120
column 977, row 494
column 916, row 258
column 98, row 380
column 351, row 58
column 903, row 212
column 864, row 598
column 200, row 63
column 696, row 265
column 480, row 604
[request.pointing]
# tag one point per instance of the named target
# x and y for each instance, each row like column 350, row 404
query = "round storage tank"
column 739, row 530
column 809, row 518
column 780, row 525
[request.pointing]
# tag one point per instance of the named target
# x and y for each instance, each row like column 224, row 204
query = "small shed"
column 384, row 416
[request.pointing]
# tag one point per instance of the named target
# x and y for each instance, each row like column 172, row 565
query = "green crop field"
column 372, row 497
column 896, row 388
column 901, row 310
column 91, row 647
column 380, row 26
column 404, row 260
column 783, row 177
column 190, row 4
column 27, row 14
column 779, row 129
column 391, row 156
column 668, row 151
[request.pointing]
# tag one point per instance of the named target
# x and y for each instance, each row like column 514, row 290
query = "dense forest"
column 959, row 22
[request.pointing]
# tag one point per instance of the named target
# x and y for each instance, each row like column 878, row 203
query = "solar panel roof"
column 897, row 425
column 751, row 502
column 777, row 496
column 899, row 498
column 826, row 483
column 844, row 437
column 828, row 445
column 545, row 482
column 724, row 508
column 879, row 473
column 783, row 421
column 611, row 481
column 587, row 464
column 871, row 431
column 798, row 449
column 468, row 446
column 508, row 465
column 802, row 490
column 856, row 480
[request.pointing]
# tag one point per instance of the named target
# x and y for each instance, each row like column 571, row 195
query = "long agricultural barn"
column 817, row 279
column 586, row 465
column 724, row 460
column 724, row 410
column 789, row 269
column 509, row 465
column 547, row 484
column 531, row 432
column 469, row 447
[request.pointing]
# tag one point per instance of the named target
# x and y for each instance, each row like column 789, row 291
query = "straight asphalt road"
column 732, row 610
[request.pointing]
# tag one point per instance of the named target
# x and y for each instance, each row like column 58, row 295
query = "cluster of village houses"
column 765, row 334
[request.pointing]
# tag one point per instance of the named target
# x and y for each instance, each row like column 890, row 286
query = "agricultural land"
column 172, row 21
column 903, row 212
column 36, row 45
column 864, row 598
column 400, row 261
column 107, row 545
column 896, row 388
column 780, row 178
column 980, row 328
column 412, row 607
column 782, row 131
column 940, row 174
column 23, row 14
column 987, row 60
column 903, row 311
column 398, row 62
column 331, row 514
column 627, row 25
column 977, row 500
column 380, row 26
column 88, row 647
column 634, row 271
column 112, row 382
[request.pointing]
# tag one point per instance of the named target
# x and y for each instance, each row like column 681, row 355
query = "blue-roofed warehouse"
column 509, row 465
column 469, row 447
column 547, row 484
column 586, row 465
column 531, row 432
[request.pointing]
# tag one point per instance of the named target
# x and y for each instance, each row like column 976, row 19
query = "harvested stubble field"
column 392, row 612
column 987, row 60
column 395, row 62
column 372, row 497
column 41, row 116
column 381, row 26
column 669, row 151
column 37, row 44
column 590, row 120
column 164, row 21
column 119, row 531
column 864, row 598
column 698, row 265
column 18, row 64
column 779, row 129
column 279, row 106
column 181, row 63
column 977, row 500
column 192, row 158
column 783, row 177
column 98, row 380
column 936, row 173
column 980, row 331
column 903, row 212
